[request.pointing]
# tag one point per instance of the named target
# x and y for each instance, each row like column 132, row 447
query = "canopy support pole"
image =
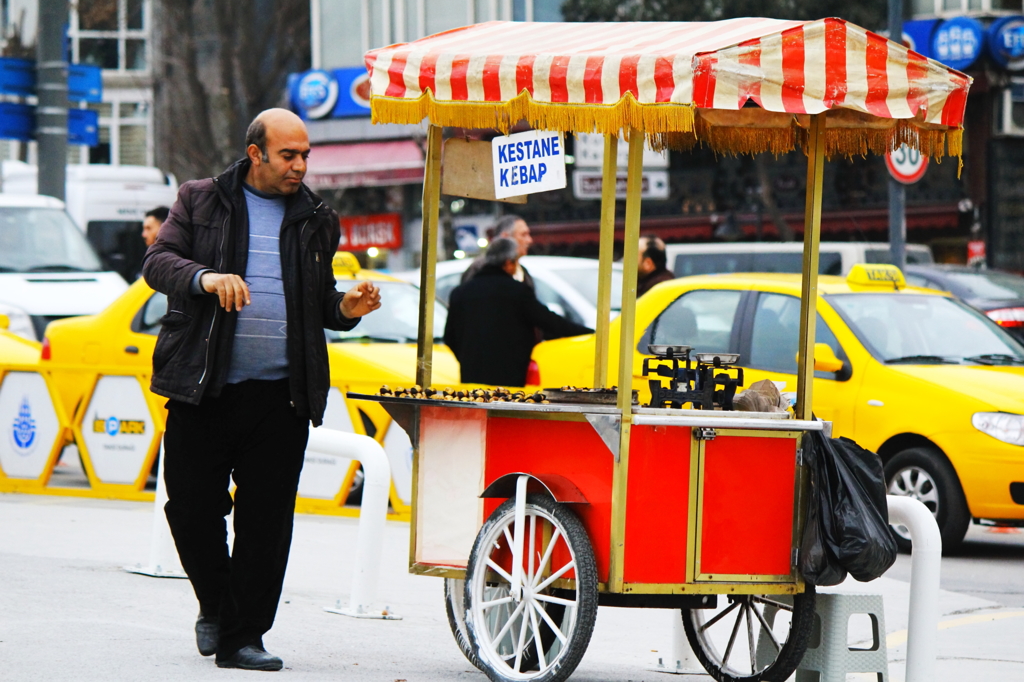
column 809, row 281
column 428, row 257
column 627, row 332
column 604, row 268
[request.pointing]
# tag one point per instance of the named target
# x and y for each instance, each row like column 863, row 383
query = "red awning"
column 368, row 164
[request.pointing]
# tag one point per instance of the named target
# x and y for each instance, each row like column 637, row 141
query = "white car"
column 834, row 258
column 48, row 270
column 567, row 286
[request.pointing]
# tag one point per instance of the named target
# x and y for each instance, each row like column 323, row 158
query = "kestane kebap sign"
column 527, row 163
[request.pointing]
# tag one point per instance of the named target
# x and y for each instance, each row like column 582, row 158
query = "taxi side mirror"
column 825, row 359
column 5, row 322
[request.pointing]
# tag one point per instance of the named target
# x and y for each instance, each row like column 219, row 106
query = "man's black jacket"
column 490, row 326
column 208, row 228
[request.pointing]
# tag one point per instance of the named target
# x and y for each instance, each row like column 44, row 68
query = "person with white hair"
column 492, row 318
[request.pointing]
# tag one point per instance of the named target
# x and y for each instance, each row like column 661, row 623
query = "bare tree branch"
column 221, row 62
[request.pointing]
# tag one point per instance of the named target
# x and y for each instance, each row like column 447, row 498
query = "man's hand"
column 361, row 299
column 231, row 289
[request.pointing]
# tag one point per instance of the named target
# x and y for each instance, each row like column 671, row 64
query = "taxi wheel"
column 927, row 476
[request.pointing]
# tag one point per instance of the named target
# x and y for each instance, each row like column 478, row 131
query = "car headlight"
column 18, row 321
column 1003, row 426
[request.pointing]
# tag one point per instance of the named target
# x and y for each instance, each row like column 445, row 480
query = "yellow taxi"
column 929, row 383
column 380, row 350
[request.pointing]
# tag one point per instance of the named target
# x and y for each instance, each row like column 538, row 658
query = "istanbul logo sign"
column 23, row 430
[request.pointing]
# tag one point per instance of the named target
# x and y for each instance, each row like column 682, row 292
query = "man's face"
column 150, row 228
column 287, row 151
column 521, row 233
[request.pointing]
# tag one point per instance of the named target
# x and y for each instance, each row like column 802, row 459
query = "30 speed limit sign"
column 906, row 165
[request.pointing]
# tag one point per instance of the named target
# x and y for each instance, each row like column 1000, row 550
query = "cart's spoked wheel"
column 539, row 628
column 455, row 606
column 752, row 637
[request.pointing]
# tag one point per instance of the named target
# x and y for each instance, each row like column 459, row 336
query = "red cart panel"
column 569, row 448
column 746, row 506
column 657, row 504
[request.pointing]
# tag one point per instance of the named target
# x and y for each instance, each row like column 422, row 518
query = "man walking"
column 245, row 260
column 491, row 321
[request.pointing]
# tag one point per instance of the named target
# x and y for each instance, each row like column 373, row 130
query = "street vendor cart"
column 537, row 509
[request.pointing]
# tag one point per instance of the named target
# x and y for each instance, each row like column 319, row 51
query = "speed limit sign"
column 906, row 165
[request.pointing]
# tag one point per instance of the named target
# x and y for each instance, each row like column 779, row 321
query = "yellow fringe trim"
column 670, row 126
column 599, row 118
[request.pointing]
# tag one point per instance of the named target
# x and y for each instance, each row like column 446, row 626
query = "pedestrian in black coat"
column 491, row 321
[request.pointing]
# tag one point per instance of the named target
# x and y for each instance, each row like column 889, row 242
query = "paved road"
column 68, row 612
column 989, row 565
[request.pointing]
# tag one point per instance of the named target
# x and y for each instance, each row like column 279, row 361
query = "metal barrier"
column 926, row 562
column 376, row 486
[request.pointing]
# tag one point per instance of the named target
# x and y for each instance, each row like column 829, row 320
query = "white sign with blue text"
column 527, row 163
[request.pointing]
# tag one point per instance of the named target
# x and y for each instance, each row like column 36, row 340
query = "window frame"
column 121, row 35
column 746, row 344
column 735, row 334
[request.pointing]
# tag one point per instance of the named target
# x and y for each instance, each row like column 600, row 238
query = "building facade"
column 115, row 35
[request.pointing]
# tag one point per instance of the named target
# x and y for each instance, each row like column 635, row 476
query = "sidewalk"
column 68, row 611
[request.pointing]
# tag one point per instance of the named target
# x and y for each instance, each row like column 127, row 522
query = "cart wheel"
column 752, row 637
column 540, row 635
column 455, row 605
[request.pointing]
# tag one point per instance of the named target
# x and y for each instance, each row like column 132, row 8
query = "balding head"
column 277, row 145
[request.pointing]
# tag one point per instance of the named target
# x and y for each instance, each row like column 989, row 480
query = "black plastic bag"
column 848, row 520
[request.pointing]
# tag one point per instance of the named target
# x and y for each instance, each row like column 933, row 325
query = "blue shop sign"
column 338, row 93
column 1006, row 42
column 918, row 33
column 958, row 42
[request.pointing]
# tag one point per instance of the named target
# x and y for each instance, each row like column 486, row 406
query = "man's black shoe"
column 252, row 657
column 207, row 635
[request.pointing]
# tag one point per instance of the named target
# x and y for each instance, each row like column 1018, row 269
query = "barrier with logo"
column 117, row 426
column 35, row 428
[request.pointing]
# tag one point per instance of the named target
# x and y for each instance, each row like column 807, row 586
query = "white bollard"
column 372, row 516
column 926, row 562
column 682, row 661
column 163, row 557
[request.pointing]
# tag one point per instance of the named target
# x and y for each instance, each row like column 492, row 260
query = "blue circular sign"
column 957, row 42
column 113, row 426
column 317, row 93
column 1006, row 42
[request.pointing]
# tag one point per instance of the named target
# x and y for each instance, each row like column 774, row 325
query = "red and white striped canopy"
column 606, row 76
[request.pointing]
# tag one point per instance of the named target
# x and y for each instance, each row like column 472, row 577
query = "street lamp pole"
column 897, row 191
column 52, row 110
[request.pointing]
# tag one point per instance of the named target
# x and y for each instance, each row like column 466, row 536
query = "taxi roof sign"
column 345, row 263
column 876, row 275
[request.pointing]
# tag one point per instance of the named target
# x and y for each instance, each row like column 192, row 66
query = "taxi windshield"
column 397, row 319
column 915, row 329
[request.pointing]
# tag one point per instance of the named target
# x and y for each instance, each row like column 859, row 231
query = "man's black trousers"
column 249, row 433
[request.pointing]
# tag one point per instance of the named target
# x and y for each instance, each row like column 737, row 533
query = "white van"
column 108, row 203
column 48, row 270
column 835, row 258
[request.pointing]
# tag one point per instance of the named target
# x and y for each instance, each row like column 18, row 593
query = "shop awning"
column 368, row 164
